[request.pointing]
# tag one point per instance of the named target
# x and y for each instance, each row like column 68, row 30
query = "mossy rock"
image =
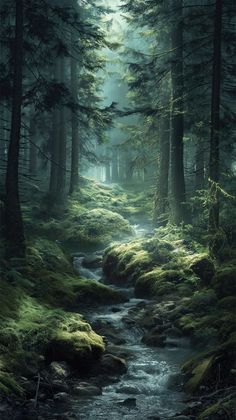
column 126, row 263
column 222, row 409
column 67, row 291
column 101, row 226
column 76, row 343
column 201, row 375
column 214, row 367
column 33, row 329
column 224, row 282
column 203, row 299
column 227, row 303
column 203, row 266
column 47, row 254
column 157, row 283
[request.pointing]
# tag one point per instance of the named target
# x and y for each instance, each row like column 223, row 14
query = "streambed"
column 149, row 388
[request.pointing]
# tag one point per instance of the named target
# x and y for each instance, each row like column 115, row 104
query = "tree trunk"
column 200, row 164
column 178, row 199
column 74, row 177
column 32, row 147
column 61, row 179
column 215, row 122
column 161, row 196
column 114, row 166
column 55, row 140
column 15, row 240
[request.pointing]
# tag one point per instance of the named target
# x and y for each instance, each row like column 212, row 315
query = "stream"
column 152, row 386
column 145, row 391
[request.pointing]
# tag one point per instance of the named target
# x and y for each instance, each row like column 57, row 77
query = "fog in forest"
column 117, row 209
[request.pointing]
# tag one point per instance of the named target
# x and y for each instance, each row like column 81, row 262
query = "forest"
column 117, row 209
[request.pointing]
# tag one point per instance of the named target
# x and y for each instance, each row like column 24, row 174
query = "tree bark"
column 32, row 148
column 61, row 179
column 55, row 139
column 200, row 164
column 178, row 199
column 215, row 122
column 74, row 177
column 15, row 240
column 161, row 196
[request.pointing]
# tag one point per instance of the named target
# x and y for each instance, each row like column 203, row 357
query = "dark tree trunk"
column 55, row 140
column 74, row 177
column 32, row 147
column 15, row 240
column 161, row 196
column 200, row 164
column 178, row 198
column 61, row 179
column 215, row 122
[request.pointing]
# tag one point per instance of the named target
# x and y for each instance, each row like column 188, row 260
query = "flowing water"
column 145, row 391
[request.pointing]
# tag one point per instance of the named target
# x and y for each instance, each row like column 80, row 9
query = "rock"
column 112, row 364
column 61, row 397
column 127, row 390
column 173, row 332
column 203, row 267
column 119, row 351
column 147, row 322
column 59, row 370
column 128, row 402
column 154, row 340
column 224, row 282
column 114, row 310
column 86, row 391
column 92, row 261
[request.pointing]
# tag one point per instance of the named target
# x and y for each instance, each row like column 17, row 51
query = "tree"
column 178, row 195
column 215, row 121
column 15, row 246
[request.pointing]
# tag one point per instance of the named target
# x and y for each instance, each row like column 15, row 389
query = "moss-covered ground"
column 40, row 296
column 171, row 266
column 39, row 293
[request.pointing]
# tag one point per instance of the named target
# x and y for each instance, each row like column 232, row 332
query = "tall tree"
column 178, row 195
column 14, row 224
column 74, row 176
column 215, row 121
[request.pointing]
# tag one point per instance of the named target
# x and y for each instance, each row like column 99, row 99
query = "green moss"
column 202, row 266
column 224, row 282
column 218, row 410
column 157, row 282
column 45, row 254
column 200, row 375
column 9, row 385
column 130, row 261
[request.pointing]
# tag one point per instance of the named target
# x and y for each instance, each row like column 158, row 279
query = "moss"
column 9, row 385
column 202, row 266
column 130, row 261
column 157, row 282
column 200, row 375
column 36, row 326
column 67, row 291
column 219, row 410
column 45, row 254
column 227, row 303
column 224, row 282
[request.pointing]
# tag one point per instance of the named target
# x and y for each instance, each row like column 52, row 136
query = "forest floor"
column 45, row 343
